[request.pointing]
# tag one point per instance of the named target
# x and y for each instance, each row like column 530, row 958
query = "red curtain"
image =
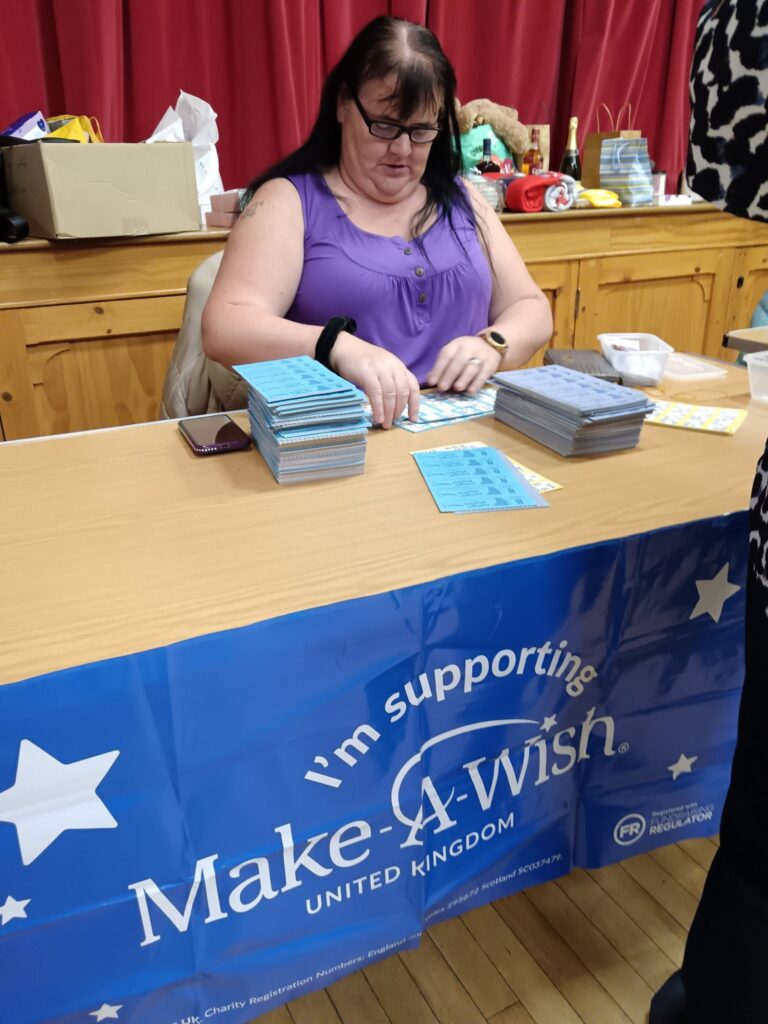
column 260, row 63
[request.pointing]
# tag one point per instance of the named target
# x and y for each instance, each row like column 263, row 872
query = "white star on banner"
column 682, row 765
column 49, row 798
column 713, row 594
column 106, row 1012
column 12, row 908
column 548, row 723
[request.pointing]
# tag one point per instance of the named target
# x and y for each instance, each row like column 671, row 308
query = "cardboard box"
column 214, row 219
column 227, row 202
column 69, row 190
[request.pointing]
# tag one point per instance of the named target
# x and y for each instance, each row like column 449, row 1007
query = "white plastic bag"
column 193, row 120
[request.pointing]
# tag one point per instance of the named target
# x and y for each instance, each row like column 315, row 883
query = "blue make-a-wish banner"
column 210, row 829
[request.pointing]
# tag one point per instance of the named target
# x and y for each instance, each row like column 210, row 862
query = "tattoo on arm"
column 250, row 209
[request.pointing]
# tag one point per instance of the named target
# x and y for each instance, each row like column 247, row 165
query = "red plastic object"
column 528, row 194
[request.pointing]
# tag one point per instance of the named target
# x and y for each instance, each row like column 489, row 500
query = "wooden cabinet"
column 749, row 282
column 79, row 366
column 686, row 274
column 87, row 328
column 679, row 296
column 559, row 282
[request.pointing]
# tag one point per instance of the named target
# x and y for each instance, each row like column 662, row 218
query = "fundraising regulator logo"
column 629, row 829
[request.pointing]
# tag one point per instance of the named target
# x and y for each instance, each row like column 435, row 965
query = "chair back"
column 195, row 384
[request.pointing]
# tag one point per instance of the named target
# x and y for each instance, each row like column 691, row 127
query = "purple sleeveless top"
column 408, row 300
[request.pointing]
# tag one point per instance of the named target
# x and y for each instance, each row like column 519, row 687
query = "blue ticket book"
column 571, row 412
column 307, row 422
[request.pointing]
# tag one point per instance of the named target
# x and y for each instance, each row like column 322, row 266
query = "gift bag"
column 626, row 170
column 78, row 129
column 590, row 158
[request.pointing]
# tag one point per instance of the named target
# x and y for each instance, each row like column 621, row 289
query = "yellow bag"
column 599, row 197
column 79, row 128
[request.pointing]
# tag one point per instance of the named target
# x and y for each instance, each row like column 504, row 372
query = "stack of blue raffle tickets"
column 570, row 412
column 307, row 422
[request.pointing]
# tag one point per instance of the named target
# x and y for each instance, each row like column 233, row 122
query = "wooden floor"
column 589, row 948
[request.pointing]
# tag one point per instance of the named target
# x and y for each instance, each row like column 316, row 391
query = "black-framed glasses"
column 391, row 130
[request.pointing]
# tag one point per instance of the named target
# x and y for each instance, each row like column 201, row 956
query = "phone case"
column 237, row 441
column 584, row 360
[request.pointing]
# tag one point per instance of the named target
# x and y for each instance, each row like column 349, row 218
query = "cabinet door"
column 749, row 284
column 682, row 297
column 558, row 282
column 85, row 365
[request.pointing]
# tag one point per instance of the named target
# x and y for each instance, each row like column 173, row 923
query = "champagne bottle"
column 532, row 158
column 486, row 164
column 571, row 164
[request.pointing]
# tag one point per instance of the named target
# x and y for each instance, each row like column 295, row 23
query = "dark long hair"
column 413, row 57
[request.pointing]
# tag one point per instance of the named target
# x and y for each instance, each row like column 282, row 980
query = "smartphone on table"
column 214, row 434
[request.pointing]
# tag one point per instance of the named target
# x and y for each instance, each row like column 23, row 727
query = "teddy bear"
column 503, row 120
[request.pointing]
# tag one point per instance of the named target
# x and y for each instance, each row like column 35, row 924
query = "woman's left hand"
column 464, row 364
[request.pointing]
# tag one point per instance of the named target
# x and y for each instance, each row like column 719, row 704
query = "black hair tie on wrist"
column 328, row 337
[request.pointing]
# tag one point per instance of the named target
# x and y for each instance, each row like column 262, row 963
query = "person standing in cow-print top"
column 728, row 155
column 724, row 977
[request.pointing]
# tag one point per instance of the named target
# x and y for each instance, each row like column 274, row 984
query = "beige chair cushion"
column 195, row 384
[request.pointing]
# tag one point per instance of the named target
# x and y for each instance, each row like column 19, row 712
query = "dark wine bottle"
column 486, row 164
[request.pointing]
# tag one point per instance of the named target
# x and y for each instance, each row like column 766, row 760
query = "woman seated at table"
column 364, row 249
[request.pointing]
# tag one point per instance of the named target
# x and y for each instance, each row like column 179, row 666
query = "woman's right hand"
column 387, row 382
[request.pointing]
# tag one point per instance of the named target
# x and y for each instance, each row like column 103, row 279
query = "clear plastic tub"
column 757, row 363
column 688, row 369
column 639, row 358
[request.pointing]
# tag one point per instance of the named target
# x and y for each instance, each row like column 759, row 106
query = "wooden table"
column 120, row 540
column 117, row 542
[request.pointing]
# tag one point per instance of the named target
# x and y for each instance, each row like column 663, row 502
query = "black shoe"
column 668, row 1005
